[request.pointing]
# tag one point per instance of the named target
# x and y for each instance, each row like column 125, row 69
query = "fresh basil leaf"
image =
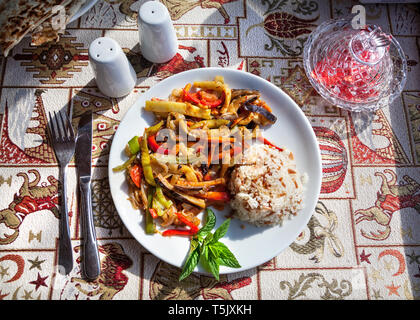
column 214, row 250
column 221, row 231
column 205, row 248
column 204, row 258
column 208, row 239
column 193, row 245
column 209, row 225
column 190, row 264
column 213, row 264
column 224, row 255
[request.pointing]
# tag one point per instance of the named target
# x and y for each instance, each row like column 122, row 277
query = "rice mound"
column 267, row 187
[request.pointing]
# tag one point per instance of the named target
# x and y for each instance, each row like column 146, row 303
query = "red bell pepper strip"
column 215, row 196
column 197, row 98
column 209, row 99
column 184, row 220
column 207, row 177
column 181, row 232
column 265, row 141
column 153, row 213
column 178, row 232
column 212, row 104
column 191, row 97
column 135, row 174
column 155, row 146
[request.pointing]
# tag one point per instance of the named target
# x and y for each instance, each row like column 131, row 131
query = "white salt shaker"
column 115, row 76
column 158, row 42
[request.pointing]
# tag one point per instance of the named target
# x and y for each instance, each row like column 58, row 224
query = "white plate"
column 85, row 8
column 251, row 245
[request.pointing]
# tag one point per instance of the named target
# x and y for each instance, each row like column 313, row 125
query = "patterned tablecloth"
column 363, row 240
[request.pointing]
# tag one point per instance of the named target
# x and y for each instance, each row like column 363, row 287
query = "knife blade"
column 90, row 261
column 84, row 146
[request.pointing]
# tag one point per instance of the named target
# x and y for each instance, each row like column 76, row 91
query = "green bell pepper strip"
column 157, row 206
column 145, row 157
column 145, row 161
column 133, row 145
column 150, row 224
column 125, row 164
column 162, row 199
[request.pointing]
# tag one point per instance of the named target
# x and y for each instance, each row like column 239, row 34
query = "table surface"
column 363, row 240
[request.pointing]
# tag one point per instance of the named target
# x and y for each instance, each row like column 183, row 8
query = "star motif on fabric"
column 3, row 271
column 407, row 232
column 413, row 258
column 393, row 289
column 376, row 275
column 36, row 263
column 3, row 295
column 388, row 265
column 365, row 257
column 377, row 294
column 40, row 281
column 27, row 295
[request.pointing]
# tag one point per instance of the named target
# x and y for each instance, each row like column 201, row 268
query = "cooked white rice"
column 268, row 188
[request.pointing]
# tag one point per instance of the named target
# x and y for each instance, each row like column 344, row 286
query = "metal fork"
column 64, row 142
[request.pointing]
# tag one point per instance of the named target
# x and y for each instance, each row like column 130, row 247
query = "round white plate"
column 251, row 245
column 84, row 8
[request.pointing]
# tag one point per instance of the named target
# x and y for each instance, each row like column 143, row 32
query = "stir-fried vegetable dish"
column 181, row 165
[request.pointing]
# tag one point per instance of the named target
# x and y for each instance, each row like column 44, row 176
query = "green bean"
column 150, row 224
column 145, row 161
column 125, row 164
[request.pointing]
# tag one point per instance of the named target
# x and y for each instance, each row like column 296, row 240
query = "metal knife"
column 90, row 256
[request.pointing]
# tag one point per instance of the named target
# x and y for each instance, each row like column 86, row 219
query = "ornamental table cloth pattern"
column 363, row 240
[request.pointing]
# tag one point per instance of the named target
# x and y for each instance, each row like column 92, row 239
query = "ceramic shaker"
column 158, row 42
column 115, row 76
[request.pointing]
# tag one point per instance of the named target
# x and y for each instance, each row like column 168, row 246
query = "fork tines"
column 61, row 129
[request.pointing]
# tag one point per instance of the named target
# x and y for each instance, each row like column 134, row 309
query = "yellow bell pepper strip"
column 145, row 161
column 125, row 165
column 153, row 130
column 185, row 108
column 211, row 124
column 201, row 184
column 150, row 224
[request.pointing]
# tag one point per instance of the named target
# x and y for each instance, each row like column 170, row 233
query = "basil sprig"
column 206, row 248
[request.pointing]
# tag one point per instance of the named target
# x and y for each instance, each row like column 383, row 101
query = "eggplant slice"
column 170, row 189
column 260, row 110
column 244, row 92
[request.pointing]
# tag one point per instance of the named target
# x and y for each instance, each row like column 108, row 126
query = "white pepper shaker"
column 114, row 74
column 158, row 42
